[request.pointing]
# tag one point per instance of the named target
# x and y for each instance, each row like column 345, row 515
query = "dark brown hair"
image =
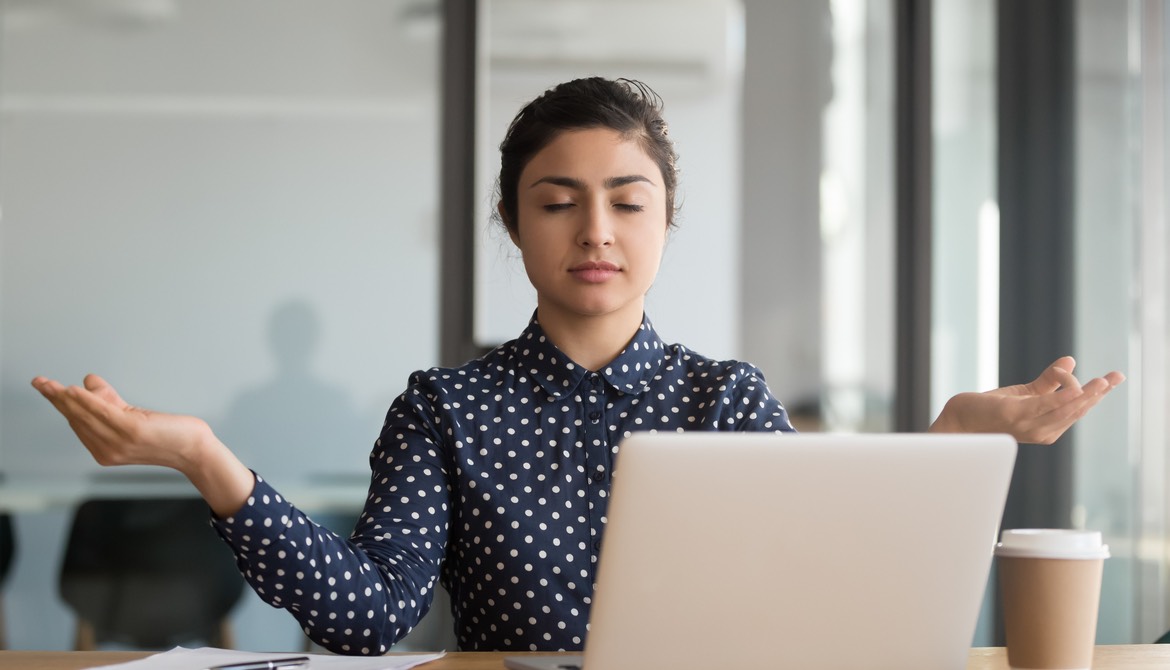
column 623, row 105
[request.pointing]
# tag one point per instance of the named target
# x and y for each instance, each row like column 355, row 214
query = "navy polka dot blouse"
column 491, row 479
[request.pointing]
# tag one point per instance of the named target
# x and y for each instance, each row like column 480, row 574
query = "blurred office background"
column 239, row 210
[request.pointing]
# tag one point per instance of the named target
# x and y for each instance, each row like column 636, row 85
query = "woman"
column 493, row 478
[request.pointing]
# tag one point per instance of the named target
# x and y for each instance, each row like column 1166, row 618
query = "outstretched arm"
column 117, row 433
column 1037, row 412
column 354, row 597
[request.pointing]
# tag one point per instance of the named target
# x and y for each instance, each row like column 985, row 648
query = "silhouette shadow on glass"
column 296, row 423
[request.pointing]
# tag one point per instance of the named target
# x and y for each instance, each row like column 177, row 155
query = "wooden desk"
column 1122, row 657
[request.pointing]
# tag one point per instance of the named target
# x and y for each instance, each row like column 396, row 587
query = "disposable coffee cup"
column 1050, row 587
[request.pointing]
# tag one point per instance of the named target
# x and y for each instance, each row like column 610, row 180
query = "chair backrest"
column 149, row 574
column 7, row 546
column 7, row 554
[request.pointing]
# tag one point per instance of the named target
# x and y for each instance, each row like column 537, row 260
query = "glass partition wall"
column 227, row 209
column 1118, row 287
column 1121, row 305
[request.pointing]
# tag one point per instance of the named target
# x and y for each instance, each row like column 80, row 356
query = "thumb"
column 1058, row 374
column 1066, row 363
column 102, row 389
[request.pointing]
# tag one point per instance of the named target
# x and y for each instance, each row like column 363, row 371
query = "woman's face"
column 591, row 224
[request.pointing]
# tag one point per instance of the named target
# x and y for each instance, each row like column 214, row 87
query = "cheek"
column 653, row 240
column 536, row 250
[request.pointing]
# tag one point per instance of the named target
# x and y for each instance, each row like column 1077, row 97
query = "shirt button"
column 597, row 544
column 599, row 476
column 595, row 416
column 594, row 379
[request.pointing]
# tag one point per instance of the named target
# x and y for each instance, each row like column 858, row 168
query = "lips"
column 594, row 272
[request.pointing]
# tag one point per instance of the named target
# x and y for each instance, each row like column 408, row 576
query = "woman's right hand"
column 118, row 433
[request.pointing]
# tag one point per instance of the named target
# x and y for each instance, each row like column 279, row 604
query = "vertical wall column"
column 457, row 184
column 914, row 187
column 1036, row 117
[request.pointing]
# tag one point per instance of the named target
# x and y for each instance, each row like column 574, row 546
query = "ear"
column 512, row 230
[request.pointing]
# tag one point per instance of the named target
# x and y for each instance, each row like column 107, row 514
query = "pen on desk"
column 285, row 663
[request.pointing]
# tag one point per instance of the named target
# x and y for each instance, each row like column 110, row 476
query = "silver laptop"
column 748, row 550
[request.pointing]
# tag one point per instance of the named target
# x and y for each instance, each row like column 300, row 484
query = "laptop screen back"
column 809, row 551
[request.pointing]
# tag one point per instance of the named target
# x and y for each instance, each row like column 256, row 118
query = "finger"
column 56, row 394
column 86, row 413
column 94, row 406
column 80, row 420
column 102, row 419
column 1055, row 376
column 1098, row 386
column 1061, row 375
column 46, row 386
column 1070, row 388
column 1060, row 418
column 65, row 398
column 1031, row 407
column 102, row 389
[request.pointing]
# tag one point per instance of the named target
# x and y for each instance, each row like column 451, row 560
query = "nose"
column 596, row 227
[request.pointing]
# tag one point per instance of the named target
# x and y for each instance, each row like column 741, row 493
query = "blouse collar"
column 632, row 371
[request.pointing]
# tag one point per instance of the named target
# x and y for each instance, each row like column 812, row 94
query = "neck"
column 590, row 341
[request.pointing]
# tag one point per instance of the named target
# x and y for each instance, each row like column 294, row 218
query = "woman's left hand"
column 1034, row 413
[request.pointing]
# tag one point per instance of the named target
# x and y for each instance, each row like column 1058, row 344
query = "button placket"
column 594, row 436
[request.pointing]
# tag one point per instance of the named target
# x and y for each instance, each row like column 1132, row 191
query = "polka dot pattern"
column 492, row 479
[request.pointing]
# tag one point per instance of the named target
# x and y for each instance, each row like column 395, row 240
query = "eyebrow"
column 577, row 184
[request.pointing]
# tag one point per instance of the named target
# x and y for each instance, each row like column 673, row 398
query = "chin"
column 598, row 311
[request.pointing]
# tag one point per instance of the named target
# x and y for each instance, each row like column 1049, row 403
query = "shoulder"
column 494, row 367
column 680, row 358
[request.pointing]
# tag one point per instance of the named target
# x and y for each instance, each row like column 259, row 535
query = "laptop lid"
column 808, row 551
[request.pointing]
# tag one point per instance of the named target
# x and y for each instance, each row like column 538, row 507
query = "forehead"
column 592, row 153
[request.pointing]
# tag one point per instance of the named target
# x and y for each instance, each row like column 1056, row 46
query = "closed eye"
column 558, row 206
column 628, row 207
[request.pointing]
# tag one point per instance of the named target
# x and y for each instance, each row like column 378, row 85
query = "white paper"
column 181, row 658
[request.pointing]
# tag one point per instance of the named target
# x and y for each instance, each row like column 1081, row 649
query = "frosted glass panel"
column 228, row 209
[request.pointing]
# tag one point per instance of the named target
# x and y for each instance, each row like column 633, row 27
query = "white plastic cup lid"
column 1051, row 543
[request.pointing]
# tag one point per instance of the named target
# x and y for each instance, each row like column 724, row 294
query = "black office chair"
column 7, row 553
column 148, row 574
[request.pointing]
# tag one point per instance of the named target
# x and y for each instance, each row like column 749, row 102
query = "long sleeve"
column 358, row 595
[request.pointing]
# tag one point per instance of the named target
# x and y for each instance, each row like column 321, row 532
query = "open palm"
column 1037, row 412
